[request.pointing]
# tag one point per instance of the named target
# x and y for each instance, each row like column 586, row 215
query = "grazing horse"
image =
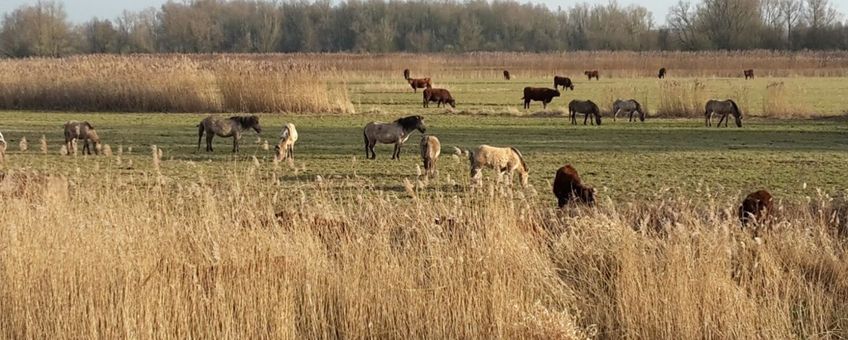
column 749, row 73
column 396, row 133
column 586, row 107
column 228, row 127
column 755, row 208
column 661, row 75
column 419, row 83
column 628, row 106
column 285, row 146
column 504, row 160
column 431, row 148
column 506, row 75
column 592, row 74
column 3, row 146
column 406, row 73
column 565, row 82
column 568, row 187
column 75, row 130
column 722, row 108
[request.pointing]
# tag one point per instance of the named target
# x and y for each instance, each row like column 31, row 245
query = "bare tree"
column 40, row 29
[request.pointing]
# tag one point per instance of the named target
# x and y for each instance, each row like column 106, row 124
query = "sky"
column 83, row 10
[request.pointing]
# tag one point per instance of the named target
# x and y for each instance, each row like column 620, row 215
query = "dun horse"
column 285, row 146
column 430, row 150
column 83, row 131
column 587, row 107
column 505, row 161
column 396, row 133
column 229, row 127
column 722, row 108
column 627, row 106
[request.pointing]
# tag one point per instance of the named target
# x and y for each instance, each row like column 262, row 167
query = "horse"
column 661, row 75
column 568, row 187
column 756, row 208
column 430, row 150
column 285, row 146
column 504, row 160
column 723, row 108
column 396, row 133
column 3, row 146
column 587, row 107
column 628, row 106
column 506, row 75
column 749, row 73
column 228, row 127
column 406, row 74
column 592, row 74
column 83, row 131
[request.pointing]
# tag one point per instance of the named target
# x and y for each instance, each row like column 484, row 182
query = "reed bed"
column 143, row 256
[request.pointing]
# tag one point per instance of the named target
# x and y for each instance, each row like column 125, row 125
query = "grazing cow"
column 430, row 151
column 83, row 131
column 661, row 75
column 586, row 107
column 565, row 82
column 506, row 75
column 229, row 127
column 406, row 73
column 419, row 83
column 568, row 187
column 749, row 73
column 440, row 96
column 592, row 74
column 723, row 108
column 3, row 146
column 396, row 133
column 504, row 160
column 542, row 94
column 285, row 146
column 627, row 106
column 756, row 208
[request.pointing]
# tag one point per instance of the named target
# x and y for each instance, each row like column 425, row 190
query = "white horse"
column 285, row 147
column 396, row 133
column 505, row 161
column 628, row 106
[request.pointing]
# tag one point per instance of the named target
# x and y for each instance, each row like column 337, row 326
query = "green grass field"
column 624, row 160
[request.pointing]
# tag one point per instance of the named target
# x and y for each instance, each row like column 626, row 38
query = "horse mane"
column 245, row 121
column 89, row 125
column 409, row 123
column 735, row 107
column 523, row 163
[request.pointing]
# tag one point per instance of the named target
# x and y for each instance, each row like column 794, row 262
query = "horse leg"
column 615, row 115
column 707, row 116
column 371, row 147
column 199, row 136
column 720, row 119
column 209, row 137
column 585, row 118
column 291, row 151
column 573, row 118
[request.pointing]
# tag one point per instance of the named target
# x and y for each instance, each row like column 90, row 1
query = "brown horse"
column 506, row 75
column 592, row 74
column 756, row 208
column 83, row 131
column 661, row 75
column 406, row 74
column 568, row 187
column 419, row 83
column 749, row 73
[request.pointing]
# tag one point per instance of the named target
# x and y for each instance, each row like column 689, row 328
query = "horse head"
column 251, row 122
column 412, row 123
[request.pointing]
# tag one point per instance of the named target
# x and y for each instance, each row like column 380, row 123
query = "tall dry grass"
column 167, row 84
column 110, row 257
column 681, row 98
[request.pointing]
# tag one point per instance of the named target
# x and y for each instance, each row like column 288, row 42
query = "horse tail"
column 520, row 157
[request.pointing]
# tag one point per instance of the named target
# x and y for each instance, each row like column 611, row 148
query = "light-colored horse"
column 83, row 131
column 285, row 147
column 396, row 133
column 628, row 106
column 723, row 108
column 3, row 146
column 228, row 127
column 431, row 148
column 505, row 161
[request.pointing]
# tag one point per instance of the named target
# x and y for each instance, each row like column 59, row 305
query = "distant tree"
column 99, row 36
column 40, row 29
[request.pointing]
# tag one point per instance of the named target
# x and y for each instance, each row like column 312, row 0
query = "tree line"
column 257, row 26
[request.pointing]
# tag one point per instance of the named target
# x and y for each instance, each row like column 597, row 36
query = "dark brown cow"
column 749, row 73
column 565, row 82
column 661, row 75
column 419, row 83
column 755, row 208
column 542, row 94
column 406, row 74
column 592, row 74
column 506, row 75
column 569, row 188
column 439, row 96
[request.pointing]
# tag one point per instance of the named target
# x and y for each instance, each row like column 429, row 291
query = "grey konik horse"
column 226, row 127
column 84, row 132
column 723, row 108
column 628, row 106
column 396, row 133
column 586, row 107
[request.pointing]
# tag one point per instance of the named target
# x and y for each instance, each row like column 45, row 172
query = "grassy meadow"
column 215, row 245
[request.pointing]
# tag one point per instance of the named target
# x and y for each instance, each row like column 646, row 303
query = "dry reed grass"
column 108, row 256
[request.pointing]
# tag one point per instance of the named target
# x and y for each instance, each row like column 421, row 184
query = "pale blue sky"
column 82, row 10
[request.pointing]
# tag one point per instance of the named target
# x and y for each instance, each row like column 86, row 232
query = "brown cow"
column 565, row 82
column 749, row 73
column 542, row 94
column 755, row 208
column 440, row 96
column 661, row 75
column 419, row 83
column 568, row 187
column 592, row 74
column 506, row 75
column 406, row 73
